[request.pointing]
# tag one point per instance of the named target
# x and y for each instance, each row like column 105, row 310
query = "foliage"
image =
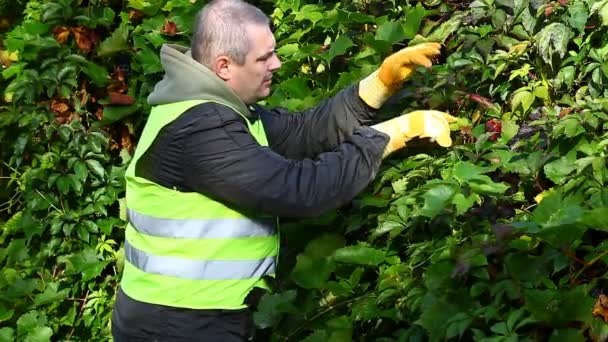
column 499, row 238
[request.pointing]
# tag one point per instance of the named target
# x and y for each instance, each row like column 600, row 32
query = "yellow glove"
column 421, row 123
column 396, row 68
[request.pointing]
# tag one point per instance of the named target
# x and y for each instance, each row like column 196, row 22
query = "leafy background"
column 499, row 238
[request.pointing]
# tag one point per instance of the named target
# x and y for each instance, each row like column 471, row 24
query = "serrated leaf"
column 51, row 294
column 547, row 305
column 117, row 42
column 412, row 21
column 337, row 48
column 435, row 199
column 39, row 334
column 360, row 255
column 578, row 15
column 558, row 170
column 553, row 39
column 113, row 114
column 5, row 312
column 463, row 203
column 465, row 171
column 96, row 167
column 27, row 322
column 7, row 334
column 272, row 307
column 522, row 98
column 149, row 60
column 391, row 32
column 86, row 263
column 441, row 33
column 601, row 7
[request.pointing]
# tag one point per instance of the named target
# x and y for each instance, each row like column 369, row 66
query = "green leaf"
column 313, row 266
column 117, row 42
column 465, row 171
column 86, row 263
column 509, row 130
column 337, row 48
column 96, row 167
column 578, row 15
column 552, row 39
column 522, row 98
column 412, row 21
column 5, row 313
column 149, row 60
column 272, row 307
column 601, row 7
column 360, row 255
column 567, row 335
column 547, row 305
column 435, row 199
column 463, row 204
column 81, row 171
column 441, row 33
column 314, row 13
column 112, row 114
column 39, row 334
column 7, row 334
column 28, row 321
column 97, row 73
column 566, row 76
column 148, row 7
column 391, row 32
column 51, row 294
column 595, row 218
column 558, row 170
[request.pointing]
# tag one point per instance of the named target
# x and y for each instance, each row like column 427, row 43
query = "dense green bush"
column 499, row 238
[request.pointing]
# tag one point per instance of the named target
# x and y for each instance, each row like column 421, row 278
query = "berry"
column 493, row 126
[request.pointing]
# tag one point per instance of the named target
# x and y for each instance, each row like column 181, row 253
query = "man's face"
column 251, row 81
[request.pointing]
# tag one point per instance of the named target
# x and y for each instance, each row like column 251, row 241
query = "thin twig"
column 587, row 265
column 84, row 302
column 323, row 312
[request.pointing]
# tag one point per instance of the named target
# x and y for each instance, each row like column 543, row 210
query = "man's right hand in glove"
column 431, row 124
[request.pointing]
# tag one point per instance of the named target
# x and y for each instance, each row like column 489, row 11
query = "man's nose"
column 275, row 63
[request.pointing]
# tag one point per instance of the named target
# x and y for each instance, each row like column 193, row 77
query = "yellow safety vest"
column 185, row 249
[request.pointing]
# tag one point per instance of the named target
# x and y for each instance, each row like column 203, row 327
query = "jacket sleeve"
column 221, row 159
column 321, row 128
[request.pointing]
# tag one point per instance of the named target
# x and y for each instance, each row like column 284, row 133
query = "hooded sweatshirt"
column 317, row 160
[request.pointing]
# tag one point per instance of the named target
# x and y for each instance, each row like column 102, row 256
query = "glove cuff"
column 373, row 91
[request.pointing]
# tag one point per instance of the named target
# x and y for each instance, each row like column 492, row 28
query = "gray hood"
column 186, row 79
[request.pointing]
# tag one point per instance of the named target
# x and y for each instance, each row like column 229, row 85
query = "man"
column 212, row 169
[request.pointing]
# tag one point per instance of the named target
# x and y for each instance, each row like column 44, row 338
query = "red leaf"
column 121, row 99
column 169, row 28
column 481, row 100
column 61, row 34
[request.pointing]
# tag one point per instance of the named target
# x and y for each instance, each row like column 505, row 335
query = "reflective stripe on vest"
column 199, row 269
column 219, row 228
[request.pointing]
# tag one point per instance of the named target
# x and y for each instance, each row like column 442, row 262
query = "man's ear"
column 222, row 67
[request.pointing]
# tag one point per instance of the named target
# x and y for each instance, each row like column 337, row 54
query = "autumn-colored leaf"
column 119, row 73
column 600, row 309
column 85, row 38
column 99, row 113
column 121, row 99
column 135, row 15
column 125, row 139
column 59, row 107
column 61, row 34
column 169, row 28
column 485, row 102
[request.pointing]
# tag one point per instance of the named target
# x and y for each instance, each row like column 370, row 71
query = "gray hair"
column 221, row 29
